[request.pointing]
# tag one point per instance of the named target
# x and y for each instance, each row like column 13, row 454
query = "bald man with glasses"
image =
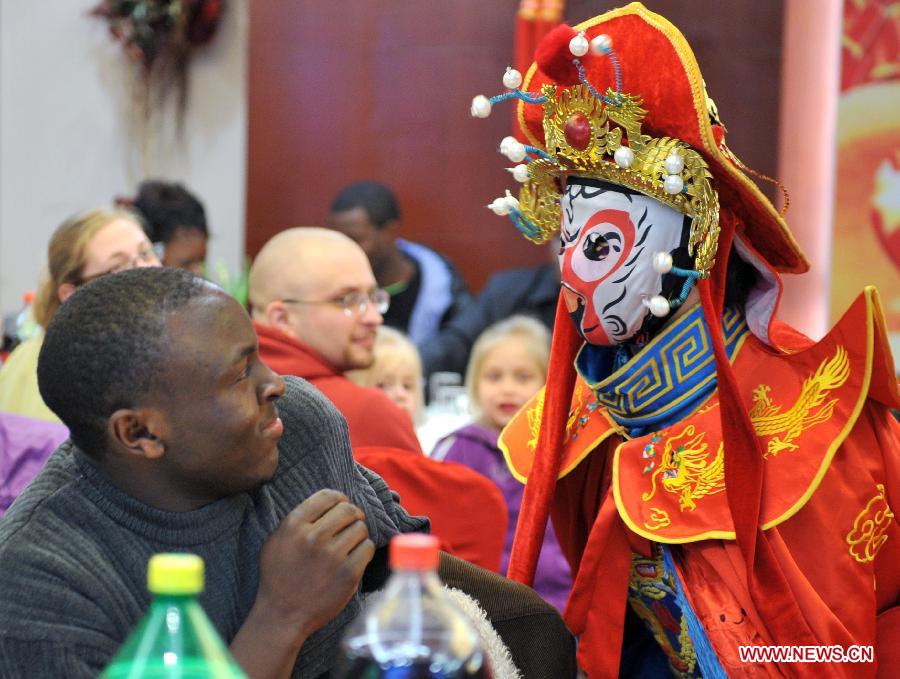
column 316, row 308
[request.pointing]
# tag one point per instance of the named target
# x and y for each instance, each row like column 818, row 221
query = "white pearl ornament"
column 674, row 163
column 579, row 45
column 658, row 305
column 519, row 173
column 481, row 107
column 513, row 149
column 512, row 78
column 624, row 157
column 662, row 262
column 601, row 44
column 673, row 184
column 499, row 207
column 504, row 204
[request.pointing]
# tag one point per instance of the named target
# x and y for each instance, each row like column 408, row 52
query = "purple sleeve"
column 470, row 454
column 25, row 445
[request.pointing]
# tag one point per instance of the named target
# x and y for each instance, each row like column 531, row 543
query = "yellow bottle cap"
column 175, row 574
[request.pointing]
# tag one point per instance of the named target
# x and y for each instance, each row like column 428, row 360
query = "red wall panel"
column 356, row 89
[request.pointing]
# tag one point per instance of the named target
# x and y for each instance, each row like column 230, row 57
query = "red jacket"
column 467, row 511
column 372, row 418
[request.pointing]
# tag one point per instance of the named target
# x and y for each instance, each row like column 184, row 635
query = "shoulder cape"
column 669, row 485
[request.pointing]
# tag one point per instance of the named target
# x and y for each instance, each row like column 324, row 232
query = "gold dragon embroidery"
column 868, row 533
column 810, row 408
column 686, row 470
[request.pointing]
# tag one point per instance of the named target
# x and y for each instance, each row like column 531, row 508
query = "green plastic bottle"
column 175, row 639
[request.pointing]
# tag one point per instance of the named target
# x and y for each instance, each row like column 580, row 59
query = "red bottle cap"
column 28, row 297
column 414, row 552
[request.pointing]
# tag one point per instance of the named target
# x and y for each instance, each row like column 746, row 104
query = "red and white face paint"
column 608, row 238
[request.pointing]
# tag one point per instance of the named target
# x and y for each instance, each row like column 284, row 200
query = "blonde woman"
column 84, row 247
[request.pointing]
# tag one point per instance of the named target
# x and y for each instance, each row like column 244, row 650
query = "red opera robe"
column 830, row 493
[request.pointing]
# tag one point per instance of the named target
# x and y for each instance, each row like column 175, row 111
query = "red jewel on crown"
column 577, row 131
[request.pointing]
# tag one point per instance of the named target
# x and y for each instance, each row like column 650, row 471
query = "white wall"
column 810, row 81
column 68, row 138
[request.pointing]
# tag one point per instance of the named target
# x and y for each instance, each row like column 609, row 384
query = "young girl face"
column 509, row 376
column 401, row 384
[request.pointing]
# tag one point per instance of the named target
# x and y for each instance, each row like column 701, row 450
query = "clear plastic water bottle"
column 26, row 326
column 411, row 630
column 175, row 639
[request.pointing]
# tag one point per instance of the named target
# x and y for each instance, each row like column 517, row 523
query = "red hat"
column 656, row 63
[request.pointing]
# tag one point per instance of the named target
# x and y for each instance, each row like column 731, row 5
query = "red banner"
column 866, row 246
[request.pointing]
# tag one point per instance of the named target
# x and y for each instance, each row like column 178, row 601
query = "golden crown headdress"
column 599, row 136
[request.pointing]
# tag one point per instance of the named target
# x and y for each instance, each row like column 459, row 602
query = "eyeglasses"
column 353, row 302
column 145, row 256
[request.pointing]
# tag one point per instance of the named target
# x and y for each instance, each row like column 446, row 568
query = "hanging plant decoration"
column 159, row 37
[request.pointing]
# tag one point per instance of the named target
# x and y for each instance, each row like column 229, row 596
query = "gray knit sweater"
column 74, row 548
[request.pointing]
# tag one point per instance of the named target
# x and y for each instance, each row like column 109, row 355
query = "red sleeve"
column 577, row 501
column 372, row 418
column 383, row 423
column 887, row 644
column 887, row 562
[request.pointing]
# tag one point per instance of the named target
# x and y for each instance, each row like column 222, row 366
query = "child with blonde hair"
column 507, row 367
column 396, row 370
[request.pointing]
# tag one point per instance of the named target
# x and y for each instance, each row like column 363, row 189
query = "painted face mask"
column 608, row 238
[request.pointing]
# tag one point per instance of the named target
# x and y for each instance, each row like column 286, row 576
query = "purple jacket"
column 476, row 447
column 25, row 444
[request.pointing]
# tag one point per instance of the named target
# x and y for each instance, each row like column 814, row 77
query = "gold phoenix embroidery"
column 686, row 470
column 869, row 528
column 810, row 408
column 536, row 412
column 534, row 420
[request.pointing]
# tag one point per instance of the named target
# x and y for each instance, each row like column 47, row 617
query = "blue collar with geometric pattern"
column 672, row 375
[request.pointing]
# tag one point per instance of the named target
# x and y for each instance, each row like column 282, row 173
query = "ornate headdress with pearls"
column 592, row 135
